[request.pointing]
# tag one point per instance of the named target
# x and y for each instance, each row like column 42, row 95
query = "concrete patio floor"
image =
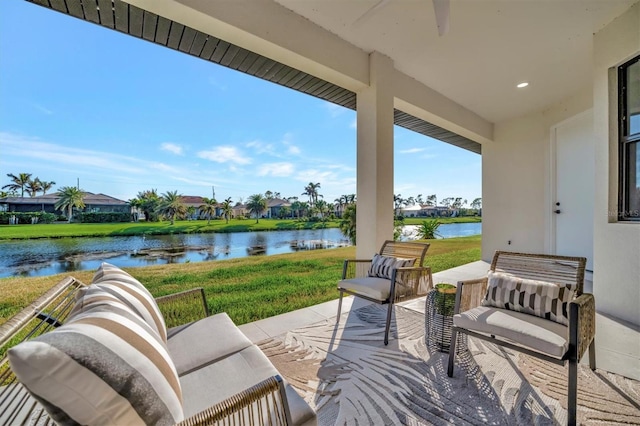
column 614, row 338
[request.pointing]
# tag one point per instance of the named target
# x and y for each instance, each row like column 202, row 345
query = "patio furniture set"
column 111, row 353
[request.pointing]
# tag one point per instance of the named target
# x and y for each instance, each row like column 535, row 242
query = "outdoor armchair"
column 396, row 273
column 534, row 304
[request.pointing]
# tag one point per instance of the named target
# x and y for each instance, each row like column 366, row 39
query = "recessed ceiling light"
column 523, row 84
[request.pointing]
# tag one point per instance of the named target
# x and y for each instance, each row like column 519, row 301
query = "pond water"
column 53, row 256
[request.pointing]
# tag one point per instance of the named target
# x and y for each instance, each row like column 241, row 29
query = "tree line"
column 170, row 205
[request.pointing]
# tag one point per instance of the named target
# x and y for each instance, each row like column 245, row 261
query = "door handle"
column 556, row 211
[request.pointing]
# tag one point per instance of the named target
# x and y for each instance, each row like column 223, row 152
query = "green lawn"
column 249, row 288
column 60, row 230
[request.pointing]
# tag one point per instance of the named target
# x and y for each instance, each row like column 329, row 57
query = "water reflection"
column 53, row 256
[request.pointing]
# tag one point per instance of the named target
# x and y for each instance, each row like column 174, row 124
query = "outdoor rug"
column 349, row 377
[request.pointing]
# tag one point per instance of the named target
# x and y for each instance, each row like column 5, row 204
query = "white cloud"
column 225, row 154
column 354, row 124
column 215, row 83
column 172, row 147
column 276, row 169
column 334, row 110
column 411, row 150
column 72, row 158
column 42, row 109
column 259, row 147
column 293, row 150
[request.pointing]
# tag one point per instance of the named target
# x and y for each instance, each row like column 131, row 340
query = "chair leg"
column 452, row 352
column 386, row 330
column 592, row 354
column 339, row 308
column 572, row 394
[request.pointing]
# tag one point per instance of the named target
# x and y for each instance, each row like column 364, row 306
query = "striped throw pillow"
column 106, row 365
column 382, row 266
column 540, row 298
column 113, row 280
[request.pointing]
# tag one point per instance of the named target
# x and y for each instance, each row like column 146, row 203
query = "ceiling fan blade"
column 441, row 8
column 371, row 11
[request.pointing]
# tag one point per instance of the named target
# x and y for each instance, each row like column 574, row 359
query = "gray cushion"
column 537, row 333
column 376, row 288
column 105, row 365
column 203, row 342
column 548, row 300
column 383, row 266
column 216, row 382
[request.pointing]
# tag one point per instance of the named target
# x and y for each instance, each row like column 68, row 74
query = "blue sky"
column 122, row 115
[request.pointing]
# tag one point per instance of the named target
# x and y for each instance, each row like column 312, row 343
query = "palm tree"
column 340, row 203
column 323, row 208
column 147, row 201
column 256, row 205
column 33, row 187
column 304, row 208
column 18, row 182
column 432, row 200
column 208, row 208
column 348, row 223
column 46, row 186
column 312, row 191
column 171, row 205
column 70, row 197
column 227, row 209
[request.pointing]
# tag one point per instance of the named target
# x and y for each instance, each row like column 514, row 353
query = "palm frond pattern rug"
column 350, row 377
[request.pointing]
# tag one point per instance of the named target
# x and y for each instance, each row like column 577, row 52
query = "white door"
column 573, row 198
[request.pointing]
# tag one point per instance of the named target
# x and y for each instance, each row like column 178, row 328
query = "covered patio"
column 347, row 375
column 550, row 150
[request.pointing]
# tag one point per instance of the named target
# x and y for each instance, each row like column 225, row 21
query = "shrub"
column 25, row 218
column 428, row 229
column 103, row 217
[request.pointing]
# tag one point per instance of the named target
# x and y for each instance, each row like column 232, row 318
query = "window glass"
column 633, row 99
column 633, row 181
column 629, row 151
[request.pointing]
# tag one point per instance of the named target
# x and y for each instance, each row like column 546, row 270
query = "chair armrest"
column 355, row 268
column 184, row 307
column 257, row 404
column 412, row 281
column 469, row 294
column 582, row 322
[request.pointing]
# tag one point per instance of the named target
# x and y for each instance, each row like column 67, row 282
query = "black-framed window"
column 629, row 131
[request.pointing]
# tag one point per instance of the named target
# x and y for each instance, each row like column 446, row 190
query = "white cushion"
column 537, row 333
column 203, row 342
column 111, row 279
column 540, row 298
column 105, row 365
column 223, row 379
column 383, row 266
column 375, row 288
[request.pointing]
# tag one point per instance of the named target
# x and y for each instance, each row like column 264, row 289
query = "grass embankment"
column 62, row 230
column 249, row 288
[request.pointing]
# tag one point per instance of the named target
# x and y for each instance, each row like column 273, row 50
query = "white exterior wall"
column 516, row 203
column 616, row 245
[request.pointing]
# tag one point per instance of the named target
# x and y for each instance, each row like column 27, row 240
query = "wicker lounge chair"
column 537, row 336
column 384, row 279
column 225, row 379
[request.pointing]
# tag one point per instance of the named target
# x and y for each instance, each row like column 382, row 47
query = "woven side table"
column 438, row 316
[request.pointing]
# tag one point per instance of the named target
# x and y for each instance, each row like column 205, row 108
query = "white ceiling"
column 491, row 46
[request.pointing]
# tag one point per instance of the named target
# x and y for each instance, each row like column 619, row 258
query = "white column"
column 375, row 158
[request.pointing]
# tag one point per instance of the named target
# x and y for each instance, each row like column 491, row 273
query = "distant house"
column 195, row 201
column 437, row 211
column 240, row 210
column 275, row 205
column 411, row 211
column 94, row 203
